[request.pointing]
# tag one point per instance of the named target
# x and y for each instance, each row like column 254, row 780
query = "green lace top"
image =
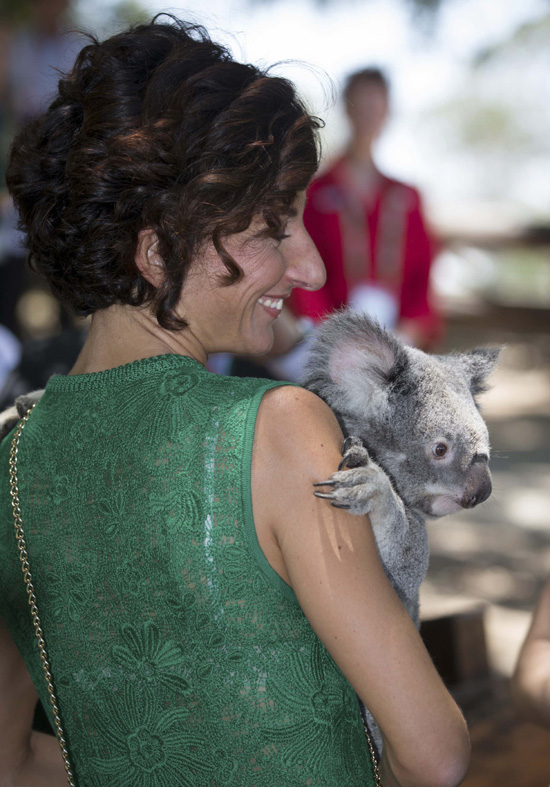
column 179, row 656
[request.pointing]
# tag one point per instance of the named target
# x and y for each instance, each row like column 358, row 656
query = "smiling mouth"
column 272, row 304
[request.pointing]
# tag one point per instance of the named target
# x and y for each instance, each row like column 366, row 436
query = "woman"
column 207, row 619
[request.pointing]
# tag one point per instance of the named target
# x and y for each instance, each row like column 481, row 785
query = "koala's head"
column 416, row 413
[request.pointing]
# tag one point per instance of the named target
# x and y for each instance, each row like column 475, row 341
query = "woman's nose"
column 306, row 269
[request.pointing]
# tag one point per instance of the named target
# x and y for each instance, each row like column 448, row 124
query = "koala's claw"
column 324, row 495
column 330, row 496
column 354, row 453
column 344, row 463
column 324, row 483
column 347, row 444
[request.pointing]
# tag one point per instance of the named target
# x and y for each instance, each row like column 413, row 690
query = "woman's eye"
column 440, row 450
column 280, row 237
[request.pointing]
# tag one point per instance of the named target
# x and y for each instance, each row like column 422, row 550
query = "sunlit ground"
column 498, row 556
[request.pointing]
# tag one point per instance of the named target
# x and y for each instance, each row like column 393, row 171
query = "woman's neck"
column 123, row 334
column 359, row 152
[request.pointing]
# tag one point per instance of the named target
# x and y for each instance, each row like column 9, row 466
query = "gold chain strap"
column 26, row 569
column 375, row 768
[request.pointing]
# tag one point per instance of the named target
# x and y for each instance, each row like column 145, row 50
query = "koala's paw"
column 10, row 417
column 356, row 489
column 24, row 402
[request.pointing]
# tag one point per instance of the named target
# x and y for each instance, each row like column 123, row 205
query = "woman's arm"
column 330, row 559
column 27, row 759
column 531, row 681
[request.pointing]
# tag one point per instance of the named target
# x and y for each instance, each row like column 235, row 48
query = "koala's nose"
column 477, row 497
column 478, row 488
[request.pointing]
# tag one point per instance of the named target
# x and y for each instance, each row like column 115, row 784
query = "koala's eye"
column 440, row 450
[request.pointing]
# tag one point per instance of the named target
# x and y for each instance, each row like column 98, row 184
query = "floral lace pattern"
column 179, row 658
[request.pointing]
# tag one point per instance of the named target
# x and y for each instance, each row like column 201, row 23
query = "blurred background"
column 469, row 127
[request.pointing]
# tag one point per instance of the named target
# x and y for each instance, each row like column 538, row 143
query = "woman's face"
column 239, row 318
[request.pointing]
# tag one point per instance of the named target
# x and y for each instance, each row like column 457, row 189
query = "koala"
column 416, row 445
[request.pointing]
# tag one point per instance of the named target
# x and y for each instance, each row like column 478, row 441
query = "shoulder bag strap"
column 26, row 569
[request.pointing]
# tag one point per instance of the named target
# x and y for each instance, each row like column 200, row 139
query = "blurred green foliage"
column 522, row 277
column 535, row 33
column 501, row 106
column 114, row 18
column 484, row 125
column 417, row 7
column 130, row 12
column 14, row 11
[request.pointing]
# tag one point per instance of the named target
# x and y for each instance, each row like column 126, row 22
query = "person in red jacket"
column 370, row 229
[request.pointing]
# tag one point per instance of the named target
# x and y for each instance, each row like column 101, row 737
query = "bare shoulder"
column 296, row 425
column 297, row 442
column 291, row 400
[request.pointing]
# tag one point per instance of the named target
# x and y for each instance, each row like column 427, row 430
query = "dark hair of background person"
column 156, row 127
column 372, row 75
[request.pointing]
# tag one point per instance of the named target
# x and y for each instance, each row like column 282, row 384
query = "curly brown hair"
column 157, row 127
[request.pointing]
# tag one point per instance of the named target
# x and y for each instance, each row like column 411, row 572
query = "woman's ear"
column 148, row 259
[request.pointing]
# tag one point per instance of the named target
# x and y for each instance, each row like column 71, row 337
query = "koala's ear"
column 352, row 360
column 478, row 365
column 362, row 354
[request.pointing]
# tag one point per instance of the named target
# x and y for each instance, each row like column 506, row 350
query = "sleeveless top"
column 180, row 657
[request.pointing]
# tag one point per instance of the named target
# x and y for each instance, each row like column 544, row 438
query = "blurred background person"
column 39, row 49
column 37, row 45
column 370, row 228
column 531, row 680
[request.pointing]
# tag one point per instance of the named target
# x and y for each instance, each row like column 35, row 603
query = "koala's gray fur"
column 9, row 417
column 396, row 404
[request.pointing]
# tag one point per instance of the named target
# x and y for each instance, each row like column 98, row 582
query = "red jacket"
column 381, row 240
